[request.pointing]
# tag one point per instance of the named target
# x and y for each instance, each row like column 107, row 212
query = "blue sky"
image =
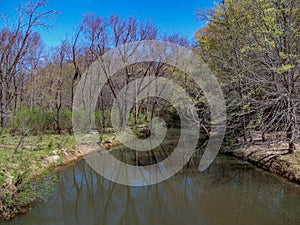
column 168, row 16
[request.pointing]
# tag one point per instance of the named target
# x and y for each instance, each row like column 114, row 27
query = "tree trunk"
column 3, row 101
column 290, row 139
column 291, row 147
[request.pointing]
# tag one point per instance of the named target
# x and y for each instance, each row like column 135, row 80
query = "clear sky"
column 169, row 16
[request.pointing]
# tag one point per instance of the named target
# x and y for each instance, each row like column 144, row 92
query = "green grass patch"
column 21, row 161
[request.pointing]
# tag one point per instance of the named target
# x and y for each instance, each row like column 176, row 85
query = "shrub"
column 30, row 120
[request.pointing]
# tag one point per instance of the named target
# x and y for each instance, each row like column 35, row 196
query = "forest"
column 256, row 59
column 252, row 47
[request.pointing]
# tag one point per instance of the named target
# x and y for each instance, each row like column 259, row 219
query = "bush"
column 100, row 122
column 38, row 121
column 66, row 120
column 30, row 120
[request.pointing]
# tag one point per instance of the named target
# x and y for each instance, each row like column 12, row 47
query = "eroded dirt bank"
column 271, row 156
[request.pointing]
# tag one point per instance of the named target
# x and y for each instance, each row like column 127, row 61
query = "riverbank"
column 38, row 155
column 271, row 156
column 24, row 159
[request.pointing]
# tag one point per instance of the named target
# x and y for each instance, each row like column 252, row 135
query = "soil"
column 272, row 156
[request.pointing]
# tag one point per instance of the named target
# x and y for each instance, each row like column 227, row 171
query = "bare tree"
column 16, row 43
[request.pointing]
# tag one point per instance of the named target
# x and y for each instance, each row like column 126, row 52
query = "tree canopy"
column 253, row 45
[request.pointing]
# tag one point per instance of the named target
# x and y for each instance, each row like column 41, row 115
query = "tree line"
column 251, row 45
column 38, row 83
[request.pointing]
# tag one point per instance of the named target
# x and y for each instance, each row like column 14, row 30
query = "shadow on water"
column 229, row 192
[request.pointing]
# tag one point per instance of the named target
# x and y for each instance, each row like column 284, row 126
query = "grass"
column 19, row 165
column 33, row 150
column 23, row 160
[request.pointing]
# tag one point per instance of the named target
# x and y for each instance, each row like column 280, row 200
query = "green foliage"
column 38, row 121
column 141, row 118
column 102, row 119
column 18, row 182
column 30, row 120
column 253, row 47
column 65, row 120
column 26, row 192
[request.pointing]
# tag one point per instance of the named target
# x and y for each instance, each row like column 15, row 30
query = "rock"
column 53, row 159
column 54, row 152
column 107, row 145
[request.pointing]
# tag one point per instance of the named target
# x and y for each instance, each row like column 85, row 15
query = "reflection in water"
column 229, row 192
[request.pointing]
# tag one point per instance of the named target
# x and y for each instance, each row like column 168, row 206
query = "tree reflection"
column 221, row 195
column 229, row 192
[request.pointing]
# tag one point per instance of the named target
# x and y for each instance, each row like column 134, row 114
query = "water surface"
column 230, row 192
